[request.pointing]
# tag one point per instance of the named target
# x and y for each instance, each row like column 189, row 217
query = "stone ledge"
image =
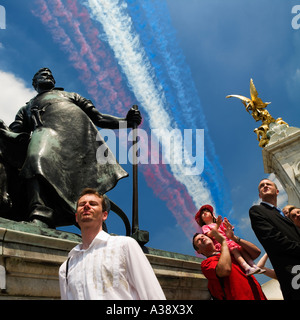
column 181, row 279
column 30, row 228
column 29, row 264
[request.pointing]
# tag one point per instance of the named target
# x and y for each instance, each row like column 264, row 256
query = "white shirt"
column 112, row 268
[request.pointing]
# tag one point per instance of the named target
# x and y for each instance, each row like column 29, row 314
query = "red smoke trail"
column 178, row 201
column 100, row 74
column 82, row 55
column 114, row 82
column 59, row 35
column 173, row 193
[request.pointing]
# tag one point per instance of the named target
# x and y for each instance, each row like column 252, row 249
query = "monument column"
column 280, row 143
column 282, row 157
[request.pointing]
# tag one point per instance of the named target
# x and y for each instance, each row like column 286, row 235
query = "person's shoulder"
column 256, row 207
column 209, row 259
column 210, row 262
column 259, row 210
column 61, row 92
column 68, row 93
column 28, row 104
column 128, row 244
column 204, row 262
column 123, row 239
column 129, row 240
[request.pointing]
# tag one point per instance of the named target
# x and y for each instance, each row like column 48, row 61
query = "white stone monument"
column 280, row 143
column 281, row 156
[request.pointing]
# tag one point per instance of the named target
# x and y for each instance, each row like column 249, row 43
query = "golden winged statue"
column 255, row 105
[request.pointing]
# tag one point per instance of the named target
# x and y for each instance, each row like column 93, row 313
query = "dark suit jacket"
column 281, row 239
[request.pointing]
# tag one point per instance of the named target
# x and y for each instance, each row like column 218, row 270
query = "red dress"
column 237, row 286
column 231, row 244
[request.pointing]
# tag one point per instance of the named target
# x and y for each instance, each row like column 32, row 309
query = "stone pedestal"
column 282, row 157
column 272, row 290
column 29, row 264
column 179, row 275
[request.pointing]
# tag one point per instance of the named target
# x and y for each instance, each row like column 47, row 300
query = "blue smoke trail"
column 152, row 21
column 128, row 50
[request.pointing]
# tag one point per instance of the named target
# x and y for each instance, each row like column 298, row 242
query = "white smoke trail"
column 133, row 60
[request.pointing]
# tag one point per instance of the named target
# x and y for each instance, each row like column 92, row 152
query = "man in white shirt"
column 105, row 267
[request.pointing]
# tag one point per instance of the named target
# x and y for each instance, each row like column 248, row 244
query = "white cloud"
column 244, row 223
column 13, row 95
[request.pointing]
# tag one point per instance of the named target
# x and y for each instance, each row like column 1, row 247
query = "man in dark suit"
column 279, row 236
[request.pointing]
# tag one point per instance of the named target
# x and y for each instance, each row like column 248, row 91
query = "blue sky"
column 176, row 59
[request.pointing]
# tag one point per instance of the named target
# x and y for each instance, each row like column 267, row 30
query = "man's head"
column 43, row 80
column 92, row 208
column 203, row 244
column 204, row 209
column 294, row 215
column 286, row 209
column 268, row 191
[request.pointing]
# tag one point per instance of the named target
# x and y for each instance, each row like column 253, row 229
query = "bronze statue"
column 54, row 137
column 255, row 105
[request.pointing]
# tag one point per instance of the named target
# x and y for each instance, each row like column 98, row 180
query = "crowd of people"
column 229, row 265
column 115, row 267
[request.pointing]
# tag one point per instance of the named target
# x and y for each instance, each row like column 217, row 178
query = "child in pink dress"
column 206, row 219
